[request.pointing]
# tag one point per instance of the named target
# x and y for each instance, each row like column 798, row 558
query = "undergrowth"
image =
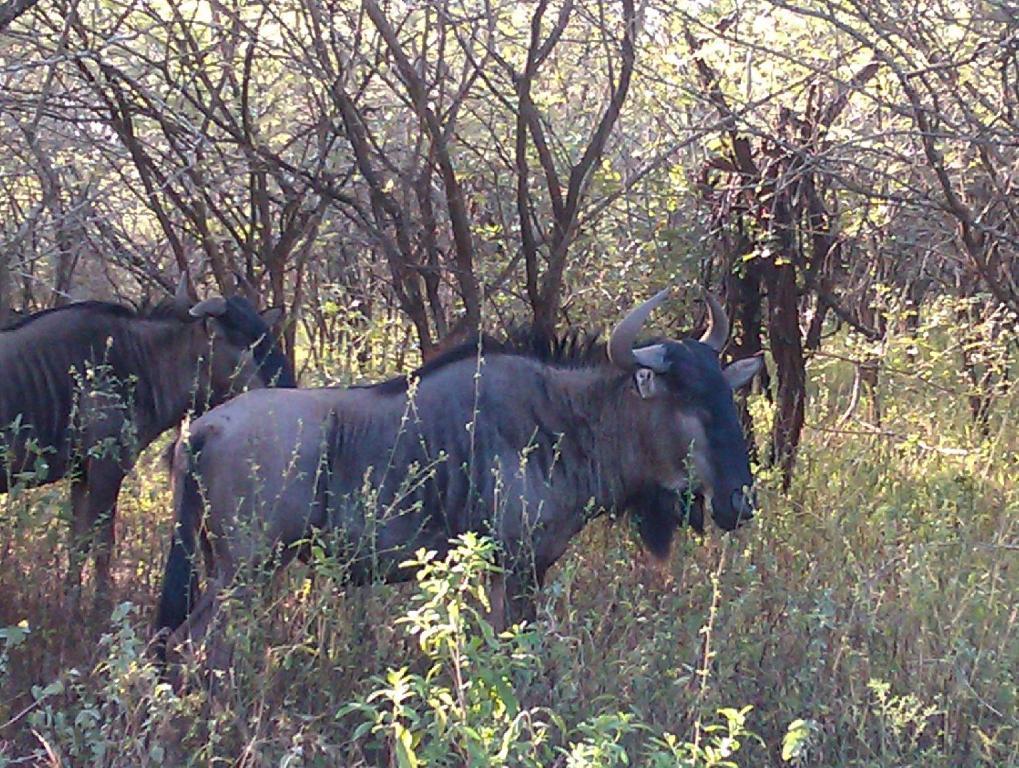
column 869, row 617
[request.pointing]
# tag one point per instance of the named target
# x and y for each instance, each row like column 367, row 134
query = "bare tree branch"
column 12, row 9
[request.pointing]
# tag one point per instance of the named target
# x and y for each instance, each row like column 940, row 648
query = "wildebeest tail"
column 180, row 579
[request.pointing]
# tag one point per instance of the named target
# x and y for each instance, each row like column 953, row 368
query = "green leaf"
column 53, row 689
column 405, row 756
column 506, row 694
column 797, row 738
column 15, row 635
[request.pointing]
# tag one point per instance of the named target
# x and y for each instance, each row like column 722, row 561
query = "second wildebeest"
column 85, row 387
column 502, row 443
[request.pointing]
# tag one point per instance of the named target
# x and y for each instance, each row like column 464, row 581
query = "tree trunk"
column 5, row 286
column 787, row 349
column 544, row 314
column 743, row 305
column 870, row 373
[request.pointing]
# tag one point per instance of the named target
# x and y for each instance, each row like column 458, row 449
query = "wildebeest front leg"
column 94, row 508
column 104, row 479
column 78, row 545
column 522, row 596
column 512, row 598
column 496, row 589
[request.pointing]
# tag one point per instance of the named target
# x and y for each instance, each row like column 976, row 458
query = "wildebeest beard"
column 659, row 511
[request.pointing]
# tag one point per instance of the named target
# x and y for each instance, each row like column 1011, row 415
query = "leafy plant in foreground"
column 467, row 704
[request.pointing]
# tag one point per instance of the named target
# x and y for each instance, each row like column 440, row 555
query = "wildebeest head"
column 688, row 399
column 241, row 350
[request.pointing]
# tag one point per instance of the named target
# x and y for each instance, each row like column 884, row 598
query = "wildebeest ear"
column 741, row 372
column 272, row 315
column 646, row 382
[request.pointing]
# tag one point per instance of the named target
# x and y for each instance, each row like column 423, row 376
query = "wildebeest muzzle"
column 735, row 510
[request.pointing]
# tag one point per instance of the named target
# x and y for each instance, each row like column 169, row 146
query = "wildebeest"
column 495, row 441
column 86, row 386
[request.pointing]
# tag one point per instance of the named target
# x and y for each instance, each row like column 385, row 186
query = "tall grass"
column 869, row 617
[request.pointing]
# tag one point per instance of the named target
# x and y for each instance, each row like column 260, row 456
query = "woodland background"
column 397, row 175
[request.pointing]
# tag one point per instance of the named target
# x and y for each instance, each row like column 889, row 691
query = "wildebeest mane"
column 163, row 309
column 107, row 308
column 242, row 324
column 572, row 349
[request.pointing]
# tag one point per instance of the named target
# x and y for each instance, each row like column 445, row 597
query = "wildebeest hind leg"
column 205, row 627
column 194, row 631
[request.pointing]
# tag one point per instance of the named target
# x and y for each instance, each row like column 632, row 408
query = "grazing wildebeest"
column 86, row 386
column 502, row 443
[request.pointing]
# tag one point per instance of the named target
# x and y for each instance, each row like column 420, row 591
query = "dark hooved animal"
column 515, row 443
column 85, row 387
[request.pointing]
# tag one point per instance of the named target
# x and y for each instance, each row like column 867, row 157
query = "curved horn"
column 717, row 332
column 624, row 335
column 182, row 297
column 213, row 307
column 244, row 286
